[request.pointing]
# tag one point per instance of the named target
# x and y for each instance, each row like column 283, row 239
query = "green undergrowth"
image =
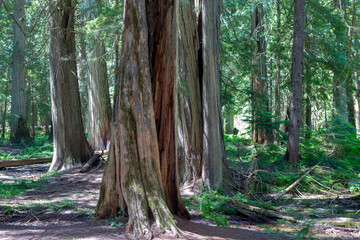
column 23, row 186
column 39, row 147
column 53, row 206
column 335, row 149
column 217, row 206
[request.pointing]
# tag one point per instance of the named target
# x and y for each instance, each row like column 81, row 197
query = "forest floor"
column 61, row 206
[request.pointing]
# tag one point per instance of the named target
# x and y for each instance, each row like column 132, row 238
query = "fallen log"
column 281, row 194
column 246, row 209
column 23, row 162
column 95, row 156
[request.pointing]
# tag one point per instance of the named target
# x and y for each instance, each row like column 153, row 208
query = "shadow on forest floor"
column 61, row 206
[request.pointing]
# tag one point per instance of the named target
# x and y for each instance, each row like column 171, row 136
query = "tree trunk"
column 292, row 152
column 277, row 57
column 214, row 169
column 308, row 88
column 259, row 75
column 83, row 76
column 19, row 129
column 229, row 126
column 339, row 98
column 70, row 144
column 357, row 102
column 350, row 102
column 308, row 109
column 189, row 124
column 143, row 153
column 99, row 99
column 5, row 108
column 164, row 53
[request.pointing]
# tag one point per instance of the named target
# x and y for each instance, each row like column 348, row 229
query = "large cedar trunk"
column 292, row 152
column 99, row 99
column 19, row 129
column 214, row 168
column 141, row 172
column 163, row 53
column 189, row 116
column 70, row 145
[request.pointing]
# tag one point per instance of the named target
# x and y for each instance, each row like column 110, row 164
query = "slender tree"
column 70, row 144
column 99, row 99
column 19, row 129
column 259, row 74
column 292, row 152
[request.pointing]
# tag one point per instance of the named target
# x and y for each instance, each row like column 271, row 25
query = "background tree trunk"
column 189, row 125
column 292, row 152
column 19, row 129
column 214, row 169
column 339, row 98
column 357, row 102
column 99, row 99
column 350, row 102
column 259, row 75
column 70, row 144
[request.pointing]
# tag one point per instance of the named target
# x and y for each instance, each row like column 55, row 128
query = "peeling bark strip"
column 137, row 173
column 70, row 144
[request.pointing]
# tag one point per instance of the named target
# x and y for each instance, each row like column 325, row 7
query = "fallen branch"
column 280, row 195
column 95, row 156
column 245, row 208
column 23, row 162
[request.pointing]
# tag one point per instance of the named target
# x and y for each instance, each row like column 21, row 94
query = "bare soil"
column 62, row 207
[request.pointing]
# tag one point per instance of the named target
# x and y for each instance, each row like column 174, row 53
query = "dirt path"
column 62, row 206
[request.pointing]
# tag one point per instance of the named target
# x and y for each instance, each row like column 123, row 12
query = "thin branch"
column 16, row 22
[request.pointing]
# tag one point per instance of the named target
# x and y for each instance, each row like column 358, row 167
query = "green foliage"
column 39, row 147
column 23, row 186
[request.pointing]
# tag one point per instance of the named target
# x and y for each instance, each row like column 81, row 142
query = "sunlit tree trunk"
column 4, row 117
column 82, row 67
column 292, row 152
column 19, row 129
column 141, row 173
column 357, row 102
column 214, row 168
column 70, row 144
column 99, row 99
column 189, row 124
